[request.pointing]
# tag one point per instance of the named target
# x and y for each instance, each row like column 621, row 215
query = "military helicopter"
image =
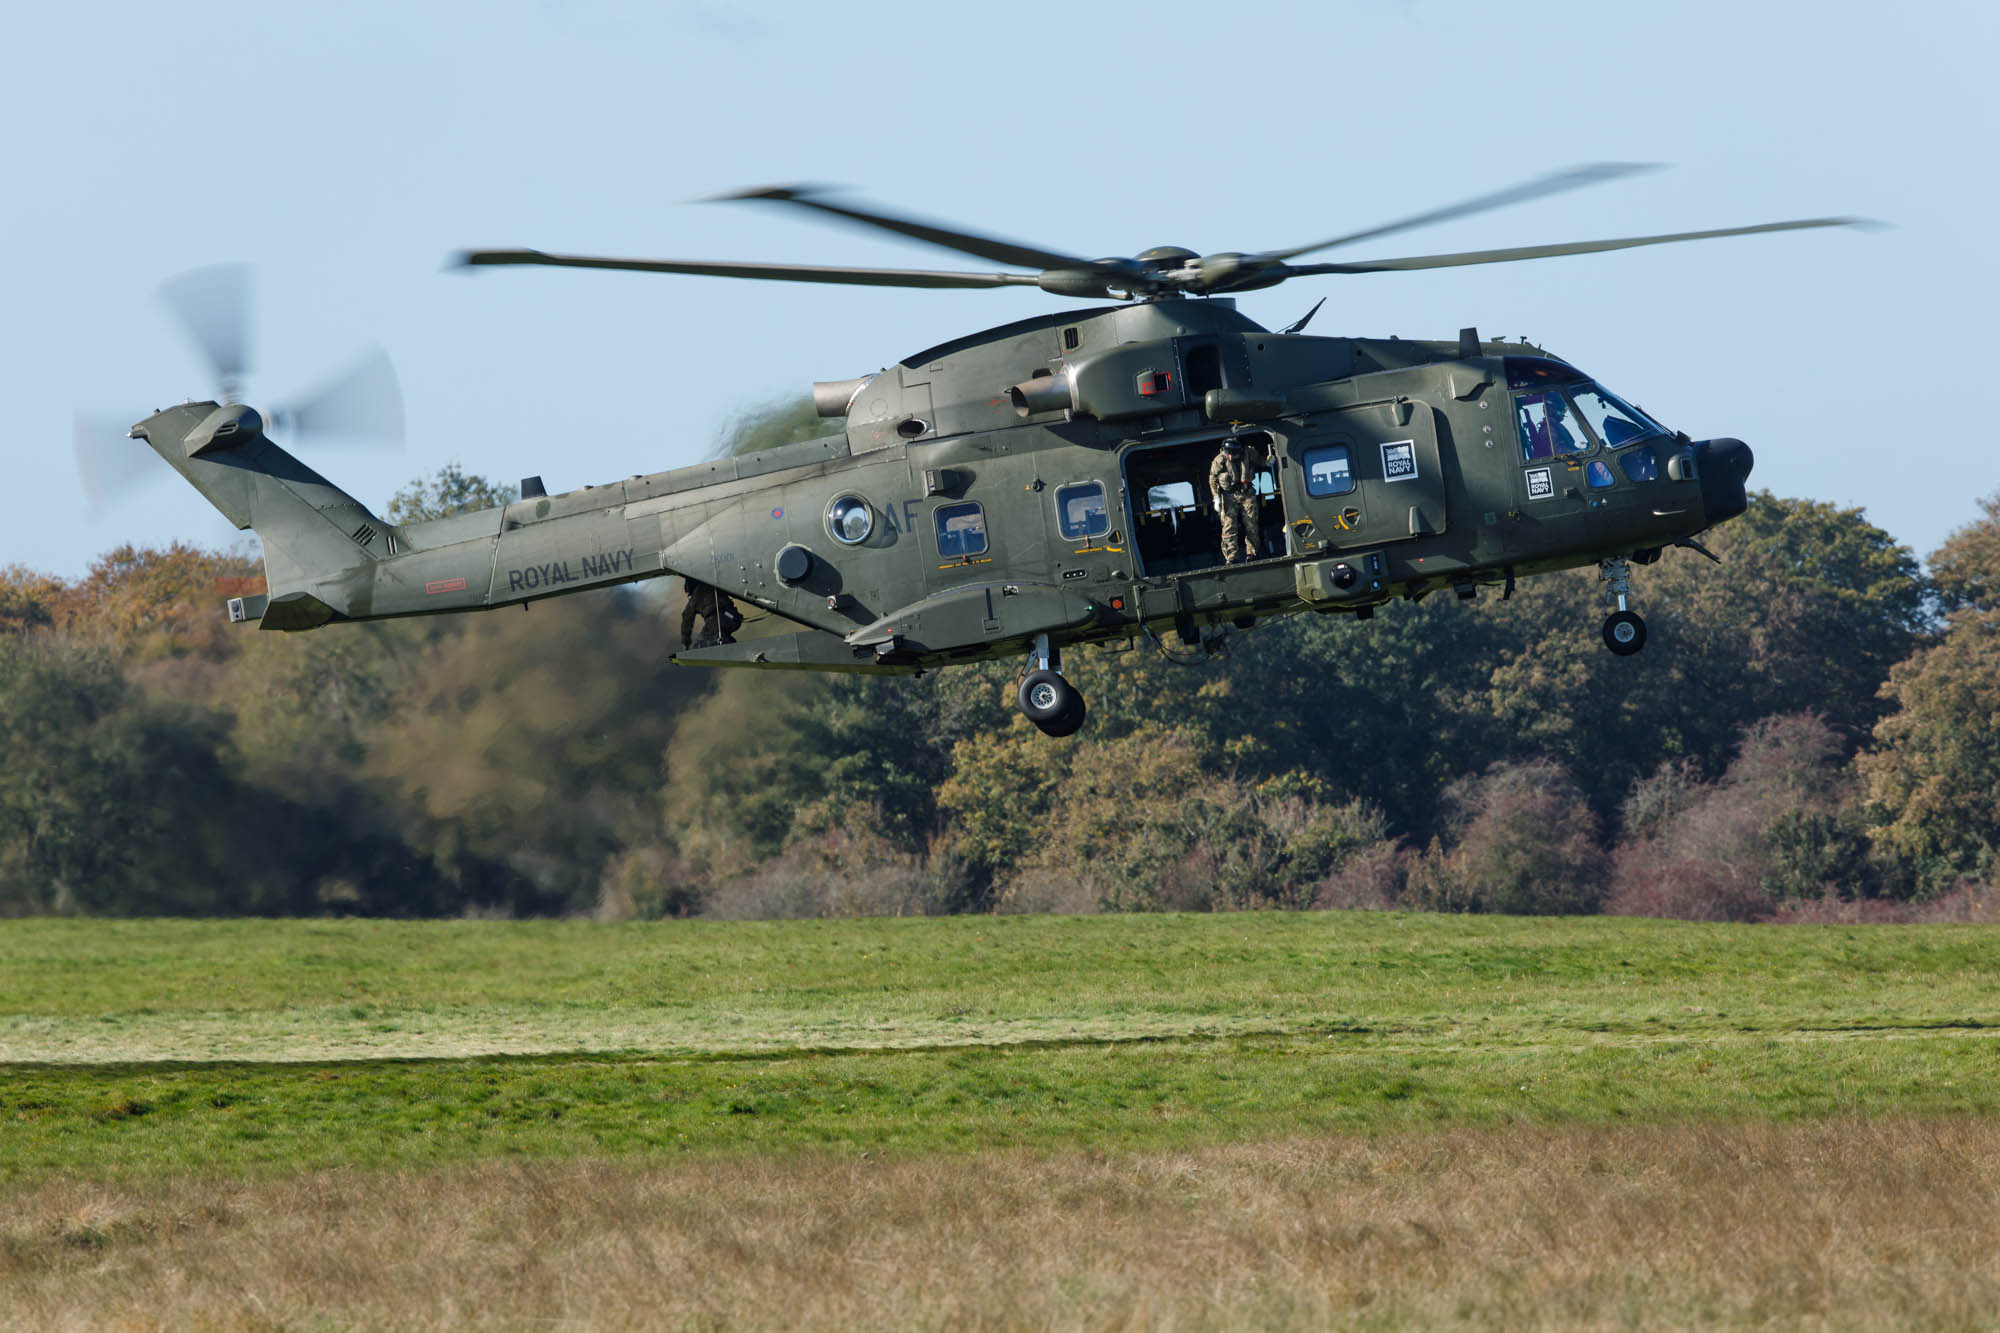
column 1046, row 483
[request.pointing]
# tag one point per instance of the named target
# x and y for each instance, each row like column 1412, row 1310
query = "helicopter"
column 1026, row 489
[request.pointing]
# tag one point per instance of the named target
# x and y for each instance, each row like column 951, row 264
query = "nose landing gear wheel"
column 1624, row 632
column 1051, row 703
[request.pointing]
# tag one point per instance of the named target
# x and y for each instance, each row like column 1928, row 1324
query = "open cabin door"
column 1363, row 476
column 1175, row 528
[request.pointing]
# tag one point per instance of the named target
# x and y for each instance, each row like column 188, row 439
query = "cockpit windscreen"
column 1576, row 419
column 1611, row 418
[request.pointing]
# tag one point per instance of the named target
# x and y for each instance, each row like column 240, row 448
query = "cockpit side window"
column 1641, row 465
column 1615, row 422
column 1547, row 428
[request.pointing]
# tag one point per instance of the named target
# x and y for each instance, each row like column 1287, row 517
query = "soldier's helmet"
column 1232, row 445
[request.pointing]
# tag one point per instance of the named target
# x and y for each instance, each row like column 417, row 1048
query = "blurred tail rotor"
column 362, row 405
column 213, row 306
column 109, row 464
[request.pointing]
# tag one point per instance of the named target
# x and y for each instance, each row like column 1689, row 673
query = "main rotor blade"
column 859, row 277
column 362, row 404
column 1575, row 178
column 1570, row 248
column 213, row 305
column 965, row 242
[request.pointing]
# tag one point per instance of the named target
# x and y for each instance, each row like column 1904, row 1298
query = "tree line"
column 1814, row 721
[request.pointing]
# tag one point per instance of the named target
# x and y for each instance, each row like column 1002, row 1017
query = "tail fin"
column 319, row 542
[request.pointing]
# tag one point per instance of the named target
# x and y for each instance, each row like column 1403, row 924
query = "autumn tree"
column 28, row 599
column 159, row 603
column 1966, row 569
column 1779, row 823
column 1518, row 838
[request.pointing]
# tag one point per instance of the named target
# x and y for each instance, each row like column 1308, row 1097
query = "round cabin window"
column 850, row 520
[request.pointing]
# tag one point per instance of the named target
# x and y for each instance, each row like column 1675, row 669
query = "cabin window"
column 1547, row 428
column 850, row 520
column 1080, row 511
column 961, row 529
column 1328, row 471
column 1598, row 474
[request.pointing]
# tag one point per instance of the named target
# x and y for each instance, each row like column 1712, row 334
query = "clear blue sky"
column 347, row 150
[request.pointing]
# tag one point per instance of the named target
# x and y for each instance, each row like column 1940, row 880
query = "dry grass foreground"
column 1846, row 1223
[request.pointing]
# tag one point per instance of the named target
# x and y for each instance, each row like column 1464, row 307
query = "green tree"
column 524, row 751
column 114, row 803
column 1808, row 609
column 1934, row 773
column 868, row 749
column 450, row 490
column 1966, row 569
column 306, row 704
column 734, row 784
column 770, row 425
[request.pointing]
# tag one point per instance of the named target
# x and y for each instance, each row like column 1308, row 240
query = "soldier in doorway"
column 1232, row 481
column 716, row 608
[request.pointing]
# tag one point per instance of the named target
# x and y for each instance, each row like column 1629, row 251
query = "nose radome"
column 1725, row 471
column 1734, row 456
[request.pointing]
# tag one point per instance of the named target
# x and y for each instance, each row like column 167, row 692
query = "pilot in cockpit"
column 1560, row 435
column 1544, row 428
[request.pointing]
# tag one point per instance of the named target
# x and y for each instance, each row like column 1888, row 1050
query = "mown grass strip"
column 259, row 1119
column 105, row 991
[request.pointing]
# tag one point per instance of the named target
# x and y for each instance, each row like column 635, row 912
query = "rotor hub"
column 1166, row 256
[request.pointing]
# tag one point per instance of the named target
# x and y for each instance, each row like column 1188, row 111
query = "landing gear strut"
column 1624, row 632
column 1050, row 702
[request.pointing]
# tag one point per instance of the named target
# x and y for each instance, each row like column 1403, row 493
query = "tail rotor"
column 361, row 405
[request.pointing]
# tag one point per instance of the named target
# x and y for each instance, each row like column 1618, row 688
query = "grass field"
column 1060, row 1121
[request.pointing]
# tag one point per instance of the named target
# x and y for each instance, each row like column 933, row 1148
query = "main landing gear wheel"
column 1624, row 632
column 1051, row 703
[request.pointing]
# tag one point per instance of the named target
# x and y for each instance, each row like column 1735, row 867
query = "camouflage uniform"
column 1231, row 481
column 715, row 607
